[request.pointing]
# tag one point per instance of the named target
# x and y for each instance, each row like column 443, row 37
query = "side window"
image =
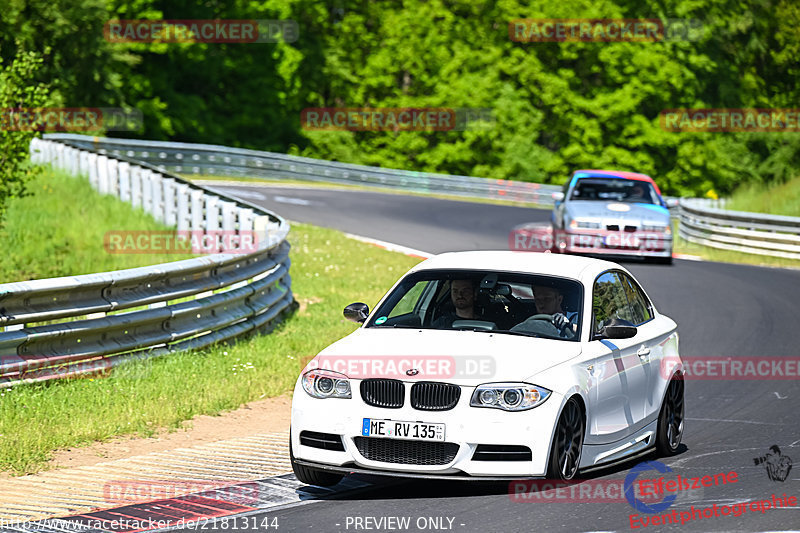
column 408, row 301
column 609, row 301
column 641, row 310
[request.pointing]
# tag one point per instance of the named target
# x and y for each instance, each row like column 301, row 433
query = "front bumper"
column 618, row 243
column 465, row 426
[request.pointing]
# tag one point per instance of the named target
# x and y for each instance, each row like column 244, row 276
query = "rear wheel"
column 312, row 476
column 670, row 419
column 565, row 453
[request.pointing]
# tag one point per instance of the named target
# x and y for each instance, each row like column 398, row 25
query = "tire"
column 312, row 476
column 565, row 451
column 670, row 419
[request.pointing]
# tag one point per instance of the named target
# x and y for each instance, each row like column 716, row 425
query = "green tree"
column 18, row 90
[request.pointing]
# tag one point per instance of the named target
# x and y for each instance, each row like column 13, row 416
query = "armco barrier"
column 114, row 317
column 752, row 233
column 187, row 158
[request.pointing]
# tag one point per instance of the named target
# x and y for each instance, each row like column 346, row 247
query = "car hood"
column 462, row 357
column 614, row 211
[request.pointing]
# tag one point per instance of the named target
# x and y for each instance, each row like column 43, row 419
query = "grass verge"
column 59, row 229
column 328, row 271
column 729, row 256
column 781, row 199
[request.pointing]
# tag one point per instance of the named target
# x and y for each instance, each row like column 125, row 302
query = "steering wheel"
column 541, row 316
column 566, row 332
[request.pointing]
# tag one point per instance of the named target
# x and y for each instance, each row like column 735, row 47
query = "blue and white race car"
column 609, row 212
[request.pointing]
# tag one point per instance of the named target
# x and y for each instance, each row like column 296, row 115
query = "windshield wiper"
column 506, row 332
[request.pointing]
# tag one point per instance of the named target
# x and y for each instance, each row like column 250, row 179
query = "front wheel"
column 312, row 476
column 565, row 453
column 670, row 419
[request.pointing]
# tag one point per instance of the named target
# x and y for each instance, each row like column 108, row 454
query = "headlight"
column 584, row 224
column 326, row 384
column 509, row 396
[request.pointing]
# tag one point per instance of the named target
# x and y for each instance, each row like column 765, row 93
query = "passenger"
column 462, row 294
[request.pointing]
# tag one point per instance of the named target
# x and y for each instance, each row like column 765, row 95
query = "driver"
column 548, row 302
column 462, row 294
column 637, row 192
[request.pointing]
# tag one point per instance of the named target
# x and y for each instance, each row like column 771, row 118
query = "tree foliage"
column 18, row 89
column 558, row 106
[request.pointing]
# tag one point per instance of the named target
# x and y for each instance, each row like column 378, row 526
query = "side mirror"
column 671, row 203
column 356, row 312
column 558, row 196
column 618, row 332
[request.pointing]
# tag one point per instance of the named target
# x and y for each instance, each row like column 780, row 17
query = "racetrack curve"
column 721, row 310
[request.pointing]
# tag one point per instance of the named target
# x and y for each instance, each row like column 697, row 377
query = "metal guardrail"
column 106, row 323
column 210, row 159
column 752, row 233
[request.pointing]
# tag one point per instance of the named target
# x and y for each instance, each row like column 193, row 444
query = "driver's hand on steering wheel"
column 560, row 321
column 565, row 327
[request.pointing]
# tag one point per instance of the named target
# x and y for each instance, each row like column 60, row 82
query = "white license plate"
column 397, row 429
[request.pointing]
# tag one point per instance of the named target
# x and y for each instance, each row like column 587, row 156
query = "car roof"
column 563, row 265
column 595, row 173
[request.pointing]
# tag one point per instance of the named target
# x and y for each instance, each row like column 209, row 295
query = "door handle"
column 643, row 352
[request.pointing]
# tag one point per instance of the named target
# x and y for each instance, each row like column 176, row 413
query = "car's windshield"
column 617, row 190
column 485, row 301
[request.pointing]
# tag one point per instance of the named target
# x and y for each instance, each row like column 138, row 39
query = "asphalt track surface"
column 721, row 310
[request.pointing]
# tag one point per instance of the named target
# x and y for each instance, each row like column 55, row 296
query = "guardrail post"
column 197, row 199
column 124, row 170
column 212, row 213
column 247, row 238
column 136, row 186
column 157, row 197
column 59, row 162
column 65, row 163
column 183, row 218
column 113, row 178
column 228, row 217
column 38, row 150
column 52, row 153
column 261, row 228
column 35, row 150
column 246, row 217
column 76, row 162
column 170, row 214
column 93, row 174
column 147, row 190
column 72, row 161
column 83, row 163
column 102, row 174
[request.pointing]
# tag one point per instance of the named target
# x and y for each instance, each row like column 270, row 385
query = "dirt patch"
column 269, row 415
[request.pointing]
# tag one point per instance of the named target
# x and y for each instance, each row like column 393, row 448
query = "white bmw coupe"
column 493, row 365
